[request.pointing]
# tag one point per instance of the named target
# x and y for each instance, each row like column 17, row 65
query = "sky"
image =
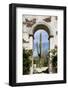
column 45, row 41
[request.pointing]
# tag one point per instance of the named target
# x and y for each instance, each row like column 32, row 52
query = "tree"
column 53, row 55
column 26, row 62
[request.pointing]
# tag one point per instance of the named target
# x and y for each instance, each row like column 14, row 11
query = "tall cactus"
column 39, row 50
column 40, row 44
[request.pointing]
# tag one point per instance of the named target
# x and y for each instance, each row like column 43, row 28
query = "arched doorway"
column 35, row 28
column 40, row 51
column 41, row 34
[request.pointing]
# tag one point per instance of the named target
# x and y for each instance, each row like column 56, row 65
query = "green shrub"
column 26, row 62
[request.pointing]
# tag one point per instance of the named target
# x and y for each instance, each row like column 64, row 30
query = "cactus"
column 40, row 44
column 39, row 50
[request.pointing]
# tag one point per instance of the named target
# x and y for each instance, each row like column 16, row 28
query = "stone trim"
column 51, row 36
column 47, row 19
column 30, row 35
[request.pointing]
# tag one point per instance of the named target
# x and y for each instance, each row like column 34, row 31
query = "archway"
column 50, row 38
column 41, row 26
column 40, row 51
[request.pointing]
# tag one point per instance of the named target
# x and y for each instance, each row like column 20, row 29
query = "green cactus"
column 40, row 44
column 39, row 50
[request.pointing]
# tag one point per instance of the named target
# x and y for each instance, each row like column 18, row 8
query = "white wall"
column 4, row 37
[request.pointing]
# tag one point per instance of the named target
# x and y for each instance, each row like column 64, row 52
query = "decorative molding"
column 25, row 41
column 29, row 23
column 51, row 36
column 30, row 35
column 47, row 19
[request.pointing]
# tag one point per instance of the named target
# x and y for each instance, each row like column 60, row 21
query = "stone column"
column 31, row 48
column 50, row 58
column 31, row 42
